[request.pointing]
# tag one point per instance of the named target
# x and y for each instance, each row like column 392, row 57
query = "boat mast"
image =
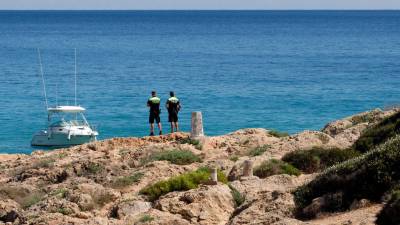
column 75, row 76
column 43, row 82
column 56, row 94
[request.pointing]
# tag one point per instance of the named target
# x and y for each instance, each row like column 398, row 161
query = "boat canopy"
column 66, row 109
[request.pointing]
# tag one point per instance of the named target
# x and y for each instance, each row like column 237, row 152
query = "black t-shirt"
column 173, row 105
column 154, row 103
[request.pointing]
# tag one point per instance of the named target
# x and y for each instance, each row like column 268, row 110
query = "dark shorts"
column 154, row 116
column 172, row 117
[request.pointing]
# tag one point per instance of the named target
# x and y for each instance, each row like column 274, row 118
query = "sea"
column 283, row 70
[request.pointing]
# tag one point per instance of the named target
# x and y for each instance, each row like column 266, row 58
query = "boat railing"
column 93, row 127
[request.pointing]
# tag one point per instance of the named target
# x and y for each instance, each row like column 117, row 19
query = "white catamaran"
column 67, row 125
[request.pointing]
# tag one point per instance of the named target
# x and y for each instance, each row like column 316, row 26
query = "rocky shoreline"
column 101, row 182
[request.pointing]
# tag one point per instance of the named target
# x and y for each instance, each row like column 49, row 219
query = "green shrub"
column 317, row 159
column 62, row 155
column 94, row 168
column 127, row 180
column 234, row 158
column 101, row 198
column 182, row 182
column 378, row 134
column 194, row 142
column 46, row 162
column 273, row 167
column 23, row 196
column 31, row 199
column 278, row 134
column 179, row 157
column 362, row 118
column 258, row 150
column 237, row 196
column 62, row 192
column 365, row 177
column 146, row 218
column 64, row 211
column 124, row 152
column 390, row 214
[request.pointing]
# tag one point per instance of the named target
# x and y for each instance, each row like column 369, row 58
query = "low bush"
column 378, row 134
column 182, row 182
column 61, row 193
column 46, row 162
column 179, row 157
column 194, row 142
column 390, row 214
column 273, row 167
column 365, row 177
column 31, row 199
column 146, row 218
column 238, row 198
column 100, row 199
column 258, row 150
column 127, row 180
column 362, row 118
column 24, row 197
column 64, row 211
column 94, row 168
column 234, row 158
column 278, row 134
column 318, row 159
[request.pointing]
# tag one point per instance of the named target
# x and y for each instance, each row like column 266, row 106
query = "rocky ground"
column 99, row 183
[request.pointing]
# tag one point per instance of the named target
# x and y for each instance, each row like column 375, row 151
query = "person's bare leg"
column 172, row 127
column 152, row 128
column 176, row 126
column 160, row 127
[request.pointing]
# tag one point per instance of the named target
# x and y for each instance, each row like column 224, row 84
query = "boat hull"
column 60, row 140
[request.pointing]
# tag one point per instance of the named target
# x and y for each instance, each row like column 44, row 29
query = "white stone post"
column 248, row 168
column 214, row 176
column 197, row 125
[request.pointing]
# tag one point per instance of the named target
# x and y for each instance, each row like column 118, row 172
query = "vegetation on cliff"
column 318, row 158
column 278, row 134
column 378, row 133
column 274, row 167
column 178, row 157
column 390, row 213
column 366, row 177
column 182, row 182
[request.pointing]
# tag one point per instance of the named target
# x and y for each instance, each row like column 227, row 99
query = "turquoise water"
column 287, row 70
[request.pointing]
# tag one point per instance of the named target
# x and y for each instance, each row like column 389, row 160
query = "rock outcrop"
column 100, row 183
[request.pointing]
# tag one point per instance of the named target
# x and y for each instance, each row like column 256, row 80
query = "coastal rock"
column 267, row 208
column 370, row 117
column 131, row 208
column 205, row 205
column 77, row 185
column 56, row 205
column 9, row 211
column 156, row 217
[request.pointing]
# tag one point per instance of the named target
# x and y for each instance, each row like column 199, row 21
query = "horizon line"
column 345, row 9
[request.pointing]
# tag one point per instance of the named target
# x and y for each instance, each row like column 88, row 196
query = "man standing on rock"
column 173, row 106
column 154, row 104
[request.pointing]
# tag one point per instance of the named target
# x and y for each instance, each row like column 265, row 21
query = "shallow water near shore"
column 286, row 70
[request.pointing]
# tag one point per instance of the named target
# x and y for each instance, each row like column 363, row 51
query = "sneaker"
column 152, row 134
column 160, row 133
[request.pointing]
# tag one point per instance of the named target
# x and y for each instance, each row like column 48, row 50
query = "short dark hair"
column 171, row 93
column 153, row 93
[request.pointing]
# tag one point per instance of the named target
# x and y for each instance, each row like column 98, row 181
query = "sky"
column 199, row 4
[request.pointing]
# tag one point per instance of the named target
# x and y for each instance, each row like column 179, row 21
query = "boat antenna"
column 56, row 94
column 43, row 82
column 75, row 76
